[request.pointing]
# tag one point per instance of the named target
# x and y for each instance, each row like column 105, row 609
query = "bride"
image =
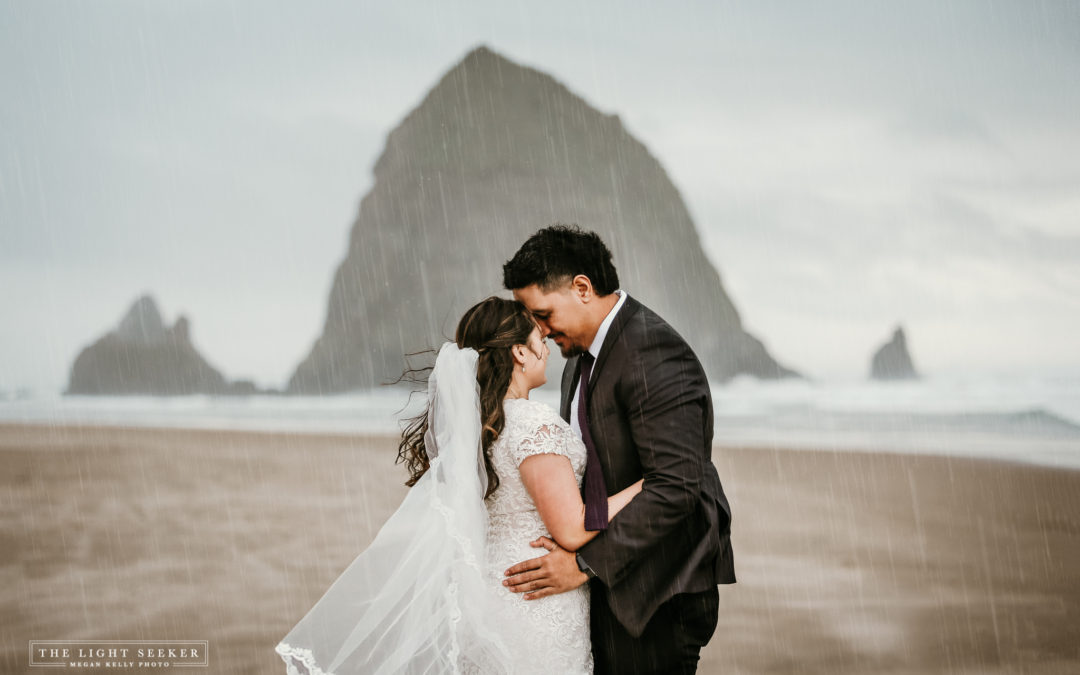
column 491, row 472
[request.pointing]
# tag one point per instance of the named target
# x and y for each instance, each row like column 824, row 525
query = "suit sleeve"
column 665, row 393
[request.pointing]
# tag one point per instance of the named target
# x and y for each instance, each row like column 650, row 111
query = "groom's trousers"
column 670, row 643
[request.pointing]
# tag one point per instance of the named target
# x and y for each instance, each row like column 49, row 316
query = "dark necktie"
column 596, row 514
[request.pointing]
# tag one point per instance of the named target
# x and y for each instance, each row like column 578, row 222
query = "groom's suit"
column 650, row 415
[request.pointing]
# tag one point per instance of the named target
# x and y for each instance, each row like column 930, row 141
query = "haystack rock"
column 494, row 152
column 142, row 356
column 892, row 360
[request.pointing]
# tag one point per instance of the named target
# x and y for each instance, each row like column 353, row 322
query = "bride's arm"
column 550, row 480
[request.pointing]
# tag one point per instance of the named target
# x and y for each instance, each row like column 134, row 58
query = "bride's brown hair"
column 491, row 327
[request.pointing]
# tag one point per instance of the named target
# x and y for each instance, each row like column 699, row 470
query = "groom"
column 654, row 570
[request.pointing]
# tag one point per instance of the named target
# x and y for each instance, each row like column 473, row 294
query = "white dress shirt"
column 594, row 349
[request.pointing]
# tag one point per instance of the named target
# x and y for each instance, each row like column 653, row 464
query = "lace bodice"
column 558, row 625
column 531, row 428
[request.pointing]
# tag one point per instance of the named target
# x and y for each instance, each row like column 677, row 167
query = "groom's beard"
column 567, row 347
column 571, row 350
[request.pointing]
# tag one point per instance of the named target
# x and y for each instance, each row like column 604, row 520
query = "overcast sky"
column 848, row 165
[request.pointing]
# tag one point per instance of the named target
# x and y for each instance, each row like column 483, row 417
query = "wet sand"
column 847, row 562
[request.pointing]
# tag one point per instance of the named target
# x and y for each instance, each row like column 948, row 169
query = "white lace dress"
column 554, row 629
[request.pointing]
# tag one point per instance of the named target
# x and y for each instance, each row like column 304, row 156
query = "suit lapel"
column 626, row 312
column 567, row 386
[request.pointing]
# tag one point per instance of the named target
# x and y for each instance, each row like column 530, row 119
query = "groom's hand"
column 556, row 572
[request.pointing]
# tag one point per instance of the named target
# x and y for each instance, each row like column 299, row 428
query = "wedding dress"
column 427, row 595
column 556, row 626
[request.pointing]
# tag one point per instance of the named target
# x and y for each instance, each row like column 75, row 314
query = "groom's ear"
column 583, row 288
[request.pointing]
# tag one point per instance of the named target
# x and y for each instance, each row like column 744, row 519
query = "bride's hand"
column 556, row 572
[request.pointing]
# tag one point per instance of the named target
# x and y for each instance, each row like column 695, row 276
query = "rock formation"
column 892, row 360
column 142, row 356
column 494, row 152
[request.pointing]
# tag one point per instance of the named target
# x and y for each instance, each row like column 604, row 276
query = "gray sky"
column 848, row 165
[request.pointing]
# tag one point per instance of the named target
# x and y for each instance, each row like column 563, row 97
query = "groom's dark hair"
column 558, row 253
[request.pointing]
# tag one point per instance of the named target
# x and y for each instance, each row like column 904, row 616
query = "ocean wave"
column 1024, row 420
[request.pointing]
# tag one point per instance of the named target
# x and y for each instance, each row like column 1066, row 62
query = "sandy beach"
column 847, row 562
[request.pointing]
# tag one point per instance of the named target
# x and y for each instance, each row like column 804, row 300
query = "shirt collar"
column 601, row 332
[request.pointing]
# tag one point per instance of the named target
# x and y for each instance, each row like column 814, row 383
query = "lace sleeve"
column 545, row 438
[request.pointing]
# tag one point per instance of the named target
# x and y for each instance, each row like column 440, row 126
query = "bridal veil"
column 416, row 600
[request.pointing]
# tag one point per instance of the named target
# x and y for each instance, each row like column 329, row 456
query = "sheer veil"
column 417, row 601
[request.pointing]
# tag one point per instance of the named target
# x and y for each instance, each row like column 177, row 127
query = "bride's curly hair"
column 491, row 327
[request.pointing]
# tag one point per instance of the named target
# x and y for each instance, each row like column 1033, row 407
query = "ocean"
column 1024, row 419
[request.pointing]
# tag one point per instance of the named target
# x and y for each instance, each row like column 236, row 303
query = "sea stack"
column 494, row 152
column 892, row 360
column 142, row 356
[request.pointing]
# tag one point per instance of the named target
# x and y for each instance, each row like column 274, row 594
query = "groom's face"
column 561, row 315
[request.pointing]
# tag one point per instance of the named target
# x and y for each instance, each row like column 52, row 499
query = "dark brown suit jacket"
column 650, row 414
